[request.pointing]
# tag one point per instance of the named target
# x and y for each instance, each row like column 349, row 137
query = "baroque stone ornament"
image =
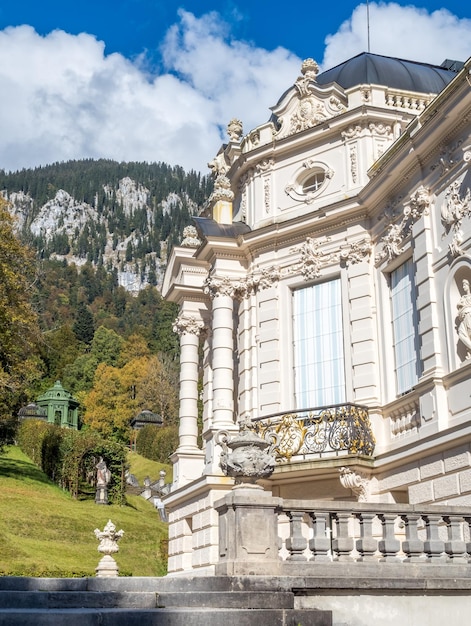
column 312, row 258
column 187, row 325
column 190, row 238
column 215, row 286
column 414, row 208
column 235, row 129
column 243, row 287
column 309, row 72
column 355, row 481
column 356, row 252
column 222, row 185
column 455, row 208
column 246, row 457
column 108, row 538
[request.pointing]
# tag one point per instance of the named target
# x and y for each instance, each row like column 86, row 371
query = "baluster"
column 367, row 544
column 320, row 543
column 389, row 546
column 433, row 545
column 455, row 547
column 468, row 545
column 343, row 543
column 296, row 543
column 412, row 547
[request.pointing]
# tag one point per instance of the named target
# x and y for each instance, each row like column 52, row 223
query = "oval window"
column 313, row 182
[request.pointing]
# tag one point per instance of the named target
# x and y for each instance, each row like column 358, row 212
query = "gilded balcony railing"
column 342, row 428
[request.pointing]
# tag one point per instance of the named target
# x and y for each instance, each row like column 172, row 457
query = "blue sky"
column 153, row 80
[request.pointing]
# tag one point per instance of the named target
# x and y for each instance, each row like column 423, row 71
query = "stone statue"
column 464, row 315
column 103, row 477
column 103, row 474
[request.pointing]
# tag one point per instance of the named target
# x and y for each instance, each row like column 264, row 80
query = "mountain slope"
column 123, row 216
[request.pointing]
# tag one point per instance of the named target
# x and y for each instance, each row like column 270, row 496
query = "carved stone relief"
column 355, row 481
column 354, row 163
column 266, row 195
column 187, row 325
column 264, row 166
column 417, row 205
column 455, row 208
column 313, row 258
column 312, row 105
column 242, row 287
column 446, row 159
column 355, row 252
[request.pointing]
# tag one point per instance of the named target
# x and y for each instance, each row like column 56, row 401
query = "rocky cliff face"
column 125, row 228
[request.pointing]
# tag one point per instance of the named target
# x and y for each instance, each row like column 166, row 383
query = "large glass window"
column 319, row 366
column 404, row 321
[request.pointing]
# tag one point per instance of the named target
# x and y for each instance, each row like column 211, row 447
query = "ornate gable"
column 307, row 104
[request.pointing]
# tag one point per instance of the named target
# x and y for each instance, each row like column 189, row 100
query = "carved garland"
column 313, row 259
column 418, row 205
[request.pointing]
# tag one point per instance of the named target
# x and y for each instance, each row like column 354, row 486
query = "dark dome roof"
column 374, row 69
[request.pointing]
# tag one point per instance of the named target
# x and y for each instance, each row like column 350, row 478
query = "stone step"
column 165, row 617
column 227, row 599
column 76, row 599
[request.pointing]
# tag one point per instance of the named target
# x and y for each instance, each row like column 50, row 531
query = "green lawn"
column 44, row 532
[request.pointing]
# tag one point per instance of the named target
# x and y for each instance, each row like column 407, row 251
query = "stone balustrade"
column 306, row 532
column 346, row 531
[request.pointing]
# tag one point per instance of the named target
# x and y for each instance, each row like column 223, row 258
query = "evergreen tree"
column 84, row 326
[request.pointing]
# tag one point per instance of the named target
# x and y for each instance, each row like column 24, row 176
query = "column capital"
column 215, row 286
column 188, row 324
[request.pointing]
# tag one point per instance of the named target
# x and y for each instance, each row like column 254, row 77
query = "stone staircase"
column 195, row 601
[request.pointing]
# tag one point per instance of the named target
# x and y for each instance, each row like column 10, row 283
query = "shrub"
column 68, row 457
column 157, row 442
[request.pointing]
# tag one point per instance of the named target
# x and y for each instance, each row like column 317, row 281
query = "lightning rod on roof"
column 368, row 23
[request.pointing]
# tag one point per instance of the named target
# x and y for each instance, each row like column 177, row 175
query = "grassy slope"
column 43, row 531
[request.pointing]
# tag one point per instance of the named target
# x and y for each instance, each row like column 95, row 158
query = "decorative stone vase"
column 247, row 457
column 108, row 537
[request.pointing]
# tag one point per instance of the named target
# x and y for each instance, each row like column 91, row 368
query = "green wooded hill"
column 99, row 232
column 45, row 532
column 123, row 216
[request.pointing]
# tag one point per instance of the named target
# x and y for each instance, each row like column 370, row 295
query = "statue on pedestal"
column 103, row 476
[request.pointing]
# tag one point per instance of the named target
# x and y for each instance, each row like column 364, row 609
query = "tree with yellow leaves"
column 19, row 329
column 120, row 393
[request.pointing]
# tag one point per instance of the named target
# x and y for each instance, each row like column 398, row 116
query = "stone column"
column 187, row 459
column 221, row 290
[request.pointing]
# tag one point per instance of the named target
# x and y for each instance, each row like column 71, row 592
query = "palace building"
column 324, row 297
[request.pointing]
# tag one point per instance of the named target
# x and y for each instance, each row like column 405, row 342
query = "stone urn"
column 246, row 456
column 108, row 538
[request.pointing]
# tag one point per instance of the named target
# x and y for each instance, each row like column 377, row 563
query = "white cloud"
column 406, row 32
column 64, row 98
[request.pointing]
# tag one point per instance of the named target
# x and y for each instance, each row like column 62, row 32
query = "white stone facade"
column 365, row 187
